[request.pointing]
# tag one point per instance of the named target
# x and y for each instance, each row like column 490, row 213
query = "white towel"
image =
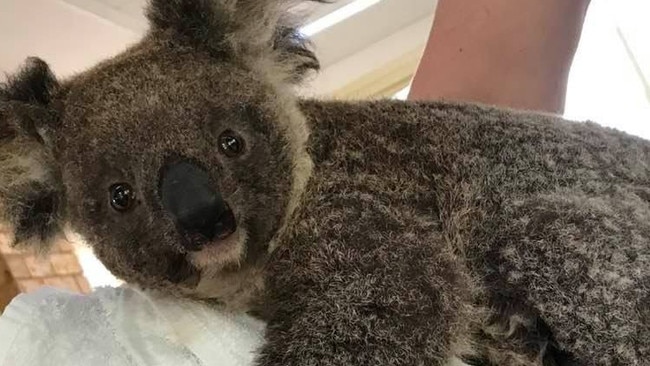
column 123, row 327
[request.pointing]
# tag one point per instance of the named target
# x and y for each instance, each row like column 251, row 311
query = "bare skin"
column 511, row 53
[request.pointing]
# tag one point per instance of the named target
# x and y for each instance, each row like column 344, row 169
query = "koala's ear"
column 201, row 23
column 33, row 84
column 293, row 50
column 255, row 31
column 30, row 186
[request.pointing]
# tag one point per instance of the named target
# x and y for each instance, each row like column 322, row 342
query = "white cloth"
column 123, row 327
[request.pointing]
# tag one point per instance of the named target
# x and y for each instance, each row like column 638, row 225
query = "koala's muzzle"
column 201, row 214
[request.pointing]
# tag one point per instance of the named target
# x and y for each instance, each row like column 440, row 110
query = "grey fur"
column 394, row 234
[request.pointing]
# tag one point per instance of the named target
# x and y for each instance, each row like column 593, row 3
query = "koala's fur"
column 369, row 233
column 416, row 208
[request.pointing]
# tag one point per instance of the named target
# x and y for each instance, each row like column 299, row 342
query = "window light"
column 337, row 16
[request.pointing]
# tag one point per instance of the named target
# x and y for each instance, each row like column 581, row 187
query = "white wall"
column 605, row 85
column 66, row 37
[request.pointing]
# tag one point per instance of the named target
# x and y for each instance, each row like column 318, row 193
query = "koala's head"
column 179, row 161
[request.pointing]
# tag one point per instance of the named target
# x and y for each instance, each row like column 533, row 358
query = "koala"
column 363, row 233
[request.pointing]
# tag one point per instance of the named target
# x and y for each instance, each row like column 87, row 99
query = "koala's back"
column 418, row 210
column 362, row 276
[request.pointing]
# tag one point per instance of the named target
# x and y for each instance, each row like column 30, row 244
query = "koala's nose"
column 198, row 208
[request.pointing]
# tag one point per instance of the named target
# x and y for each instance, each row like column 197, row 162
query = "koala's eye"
column 122, row 197
column 231, row 144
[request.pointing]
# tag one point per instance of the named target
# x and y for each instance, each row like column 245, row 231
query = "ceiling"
column 74, row 34
column 129, row 13
column 341, row 55
column 392, row 15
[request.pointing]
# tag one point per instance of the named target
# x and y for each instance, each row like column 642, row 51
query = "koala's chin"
column 226, row 278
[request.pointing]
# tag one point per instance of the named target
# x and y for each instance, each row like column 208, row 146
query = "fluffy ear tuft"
column 259, row 32
column 202, row 23
column 293, row 50
column 34, row 84
column 30, row 187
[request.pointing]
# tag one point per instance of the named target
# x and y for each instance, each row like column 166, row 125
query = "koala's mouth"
column 225, row 248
